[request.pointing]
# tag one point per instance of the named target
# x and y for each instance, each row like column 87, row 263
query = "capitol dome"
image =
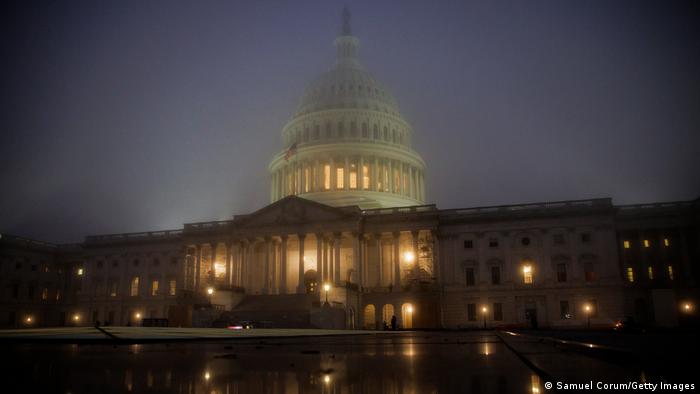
column 347, row 143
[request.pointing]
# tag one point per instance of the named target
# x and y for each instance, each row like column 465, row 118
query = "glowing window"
column 527, row 274
column 327, row 177
column 134, row 288
column 630, row 274
column 353, row 176
column 58, row 294
column 397, row 180
column 626, row 244
column 113, row 289
column 339, row 178
column 154, row 288
column 80, row 271
column 365, row 176
column 667, row 242
column 670, row 272
column 646, row 243
column 172, row 287
column 307, row 179
column 650, row 271
column 45, row 294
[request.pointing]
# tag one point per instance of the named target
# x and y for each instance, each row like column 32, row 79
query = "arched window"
column 407, row 313
column 387, row 313
column 386, row 133
column 369, row 316
column 326, row 176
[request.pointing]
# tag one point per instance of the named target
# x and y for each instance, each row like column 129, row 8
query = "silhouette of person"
column 393, row 323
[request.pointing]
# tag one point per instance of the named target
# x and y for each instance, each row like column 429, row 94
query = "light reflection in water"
column 426, row 365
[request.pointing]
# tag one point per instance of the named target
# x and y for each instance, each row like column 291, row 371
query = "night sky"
column 128, row 116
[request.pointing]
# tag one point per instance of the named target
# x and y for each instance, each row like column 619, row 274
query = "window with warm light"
column 386, row 178
column 397, row 180
column 113, row 289
column 154, row 288
column 647, row 243
column 670, row 272
column 45, row 294
column 172, row 287
column 326, row 177
column 307, row 179
column 352, row 178
column 80, row 271
column 626, row 244
column 365, row 176
column 527, row 274
column 340, row 178
column 630, row 274
column 134, row 288
column 667, row 243
column 650, row 272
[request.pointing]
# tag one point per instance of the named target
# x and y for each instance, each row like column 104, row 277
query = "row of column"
column 243, row 262
column 366, row 173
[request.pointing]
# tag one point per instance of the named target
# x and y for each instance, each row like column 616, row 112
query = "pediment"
column 294, row 210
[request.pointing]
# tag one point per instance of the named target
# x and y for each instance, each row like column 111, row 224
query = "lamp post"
column 210, row 291
column 483, row 312
column 588, row 315
column 326, row 287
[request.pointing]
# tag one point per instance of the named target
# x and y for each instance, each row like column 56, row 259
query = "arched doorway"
column 369, row 316
column 387, row 313
column 311, row 281
column 407, row 312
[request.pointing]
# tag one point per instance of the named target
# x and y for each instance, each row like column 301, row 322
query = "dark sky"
column 130, row 116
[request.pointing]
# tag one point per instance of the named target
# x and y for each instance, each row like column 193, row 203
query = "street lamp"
column 588, row 309
column 326, row 287
column 29, row 320
column 210, row 291
column 76, row 318
column 687, row 307
column 483, row 312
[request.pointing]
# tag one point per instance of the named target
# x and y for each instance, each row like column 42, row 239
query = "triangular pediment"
column 295, row 210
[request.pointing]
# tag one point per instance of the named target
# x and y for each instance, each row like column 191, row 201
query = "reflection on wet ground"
column 410, row 362
column 419, row 362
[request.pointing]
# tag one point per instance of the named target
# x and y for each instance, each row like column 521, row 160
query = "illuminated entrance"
column 407, row 311
column 311, row 282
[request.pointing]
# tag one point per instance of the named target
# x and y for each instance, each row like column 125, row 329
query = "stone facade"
column 519, row 265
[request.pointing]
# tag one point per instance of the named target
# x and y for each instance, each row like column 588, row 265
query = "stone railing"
column 555, row 205
column 411, row 209
column 142, row 236
column 207, row 226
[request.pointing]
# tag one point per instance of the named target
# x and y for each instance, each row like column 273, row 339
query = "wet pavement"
column 407, row 362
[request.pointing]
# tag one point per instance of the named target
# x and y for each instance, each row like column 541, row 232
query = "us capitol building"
column 349, row 240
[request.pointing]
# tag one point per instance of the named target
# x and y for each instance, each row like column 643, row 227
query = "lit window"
column 365, row 176
column 113, row 289
column 80, row 271
column 340, row 178
column 667, row 242
column 172, row 287
column 527, row 274
column 670, row 272
column 134, row 289
column 154, row 288
column 650, row 270
column 630, row 274
column 397, row 180
column 646, row 243
column 219, row 270
column 307, row 179
column 626, row 244
column 58, row 294
column 327, row 177
column 45, row 294
column 353, row 176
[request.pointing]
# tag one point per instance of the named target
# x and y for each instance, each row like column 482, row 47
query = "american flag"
column 290, row 152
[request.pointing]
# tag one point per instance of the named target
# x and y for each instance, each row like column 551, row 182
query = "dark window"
column 469, row 276
column 156, row 262
column 468, row 244
column 558, row 239
column 15, row 291
column 100, row 264
column 33, row 267
column 586, row 238
column 589, row 272
column 18, row 266
column 173, row 260
column 497, row 311
column 115, row 263
column 493, row 243
column 564, row 312
column 525, row 241
column 561, row 272
column 495, row 275
column 471, row 312
column 30, row 292
column 136, row 262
